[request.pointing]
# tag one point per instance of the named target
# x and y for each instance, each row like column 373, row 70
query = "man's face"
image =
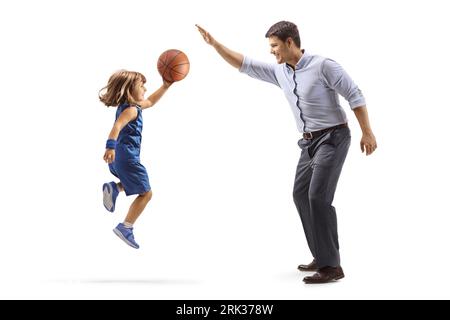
column 279, row 49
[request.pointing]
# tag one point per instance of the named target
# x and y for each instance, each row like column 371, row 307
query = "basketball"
column 173, row 65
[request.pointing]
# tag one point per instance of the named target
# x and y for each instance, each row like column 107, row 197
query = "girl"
column 125, row 90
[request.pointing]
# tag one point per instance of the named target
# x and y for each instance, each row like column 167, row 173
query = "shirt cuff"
column 245, row 65
column 357, row 103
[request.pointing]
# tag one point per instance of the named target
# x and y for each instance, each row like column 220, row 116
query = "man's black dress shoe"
column 308, row 267
column 324, row 275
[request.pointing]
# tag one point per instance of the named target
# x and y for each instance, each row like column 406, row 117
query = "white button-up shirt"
column 312, row 89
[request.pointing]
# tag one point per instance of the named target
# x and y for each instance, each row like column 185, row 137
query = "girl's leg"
column 125, row 230
column 137, row 207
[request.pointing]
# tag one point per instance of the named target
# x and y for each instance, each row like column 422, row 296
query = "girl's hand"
column 166, row 84
column 110, row 155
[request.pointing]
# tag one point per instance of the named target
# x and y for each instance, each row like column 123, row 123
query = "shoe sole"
column 318, row 282
column 120, row 235
column 107, row 198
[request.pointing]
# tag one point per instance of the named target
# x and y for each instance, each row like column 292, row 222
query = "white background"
column 221, row 152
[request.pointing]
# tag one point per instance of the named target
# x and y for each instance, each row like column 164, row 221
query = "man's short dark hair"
column 283, row 30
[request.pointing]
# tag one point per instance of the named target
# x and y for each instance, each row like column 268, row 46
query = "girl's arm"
column 129, row 114
column 155, row 96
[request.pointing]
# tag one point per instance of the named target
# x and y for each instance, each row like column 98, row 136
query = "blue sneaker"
column 126, row 234
column 110, row 193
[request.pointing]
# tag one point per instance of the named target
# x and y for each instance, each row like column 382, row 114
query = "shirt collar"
column 301, row 63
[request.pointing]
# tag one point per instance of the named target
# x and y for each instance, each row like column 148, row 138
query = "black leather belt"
column 315, row 134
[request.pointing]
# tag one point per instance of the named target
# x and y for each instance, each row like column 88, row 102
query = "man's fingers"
column 369, row 149
column 202, row 31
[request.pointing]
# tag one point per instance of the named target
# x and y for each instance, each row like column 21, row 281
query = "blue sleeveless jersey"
column 126, row 165
column 129, row 140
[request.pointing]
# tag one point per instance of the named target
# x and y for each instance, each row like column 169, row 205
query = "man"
column 311, row 84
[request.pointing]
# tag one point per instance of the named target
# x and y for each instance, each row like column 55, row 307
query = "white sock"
column 128, row 225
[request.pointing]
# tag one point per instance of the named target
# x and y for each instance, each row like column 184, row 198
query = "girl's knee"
column 147, row 195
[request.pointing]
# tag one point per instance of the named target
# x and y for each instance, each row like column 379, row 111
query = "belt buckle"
column 307, row 135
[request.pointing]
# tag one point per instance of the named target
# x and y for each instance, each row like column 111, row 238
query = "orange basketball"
column 173, row 65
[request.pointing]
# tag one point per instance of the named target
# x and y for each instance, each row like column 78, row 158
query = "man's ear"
column 289, row 42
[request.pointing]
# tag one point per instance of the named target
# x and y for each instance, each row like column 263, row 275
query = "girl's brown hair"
column 120, row 87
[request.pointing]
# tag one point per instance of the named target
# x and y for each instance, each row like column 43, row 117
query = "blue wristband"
column 111, row 144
